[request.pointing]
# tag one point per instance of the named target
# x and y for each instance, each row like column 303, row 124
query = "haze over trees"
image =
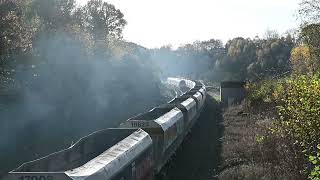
column 238, row 59
column 65, row 71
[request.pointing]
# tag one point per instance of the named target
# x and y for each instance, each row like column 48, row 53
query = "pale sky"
column 153, row 23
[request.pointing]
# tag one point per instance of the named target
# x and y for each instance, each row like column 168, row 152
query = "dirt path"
column 199, row 154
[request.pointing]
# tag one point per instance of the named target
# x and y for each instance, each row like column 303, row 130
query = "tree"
column 273, row 56
column 54, row 14
column 102, row 20
column 310, row 11
column 302, row 60
column 210, row 50
column 208, row 45
column 310, row 30
column 240, row 53
column 15, row 38
column 271, row 34
column 311, row 36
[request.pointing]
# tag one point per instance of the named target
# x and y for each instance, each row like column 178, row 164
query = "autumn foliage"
column 303, row 61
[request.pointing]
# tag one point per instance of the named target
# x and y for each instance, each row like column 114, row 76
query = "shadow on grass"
column 198, row 157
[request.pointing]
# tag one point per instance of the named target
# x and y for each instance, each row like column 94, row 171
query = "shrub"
column 299, row 109
column 315, row 161
column 265, row 91
column 296, row 130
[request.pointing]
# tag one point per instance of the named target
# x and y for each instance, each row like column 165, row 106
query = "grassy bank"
column 274, row 134
column 246, row 152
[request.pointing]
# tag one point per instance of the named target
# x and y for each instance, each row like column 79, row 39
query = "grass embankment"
column 245, row 153
column 275, row 134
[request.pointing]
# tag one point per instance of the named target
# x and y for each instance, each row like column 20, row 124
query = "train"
column 137, row 150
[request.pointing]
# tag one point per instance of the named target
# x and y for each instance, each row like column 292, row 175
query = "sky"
column 154, row 23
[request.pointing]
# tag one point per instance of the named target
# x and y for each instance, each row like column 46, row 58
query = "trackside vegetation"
column 296, row 103
column 284, row 114
column 296, row 126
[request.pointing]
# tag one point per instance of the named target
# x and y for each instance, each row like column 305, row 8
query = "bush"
column 296, row 130
column 265, row 91
column 299, row 109
column 315, row 161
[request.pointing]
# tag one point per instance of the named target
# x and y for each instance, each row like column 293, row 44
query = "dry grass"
column 247, row 150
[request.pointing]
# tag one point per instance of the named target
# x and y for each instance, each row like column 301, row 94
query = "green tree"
column 15, row 38
column 102, row 20
column 54, row 14
column 240, row 54
column 311, row 36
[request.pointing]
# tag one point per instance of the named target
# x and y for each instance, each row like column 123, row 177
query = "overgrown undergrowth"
column 247, row 153
column 275, row 134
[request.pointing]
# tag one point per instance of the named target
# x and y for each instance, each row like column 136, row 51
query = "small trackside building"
column 232, row 92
